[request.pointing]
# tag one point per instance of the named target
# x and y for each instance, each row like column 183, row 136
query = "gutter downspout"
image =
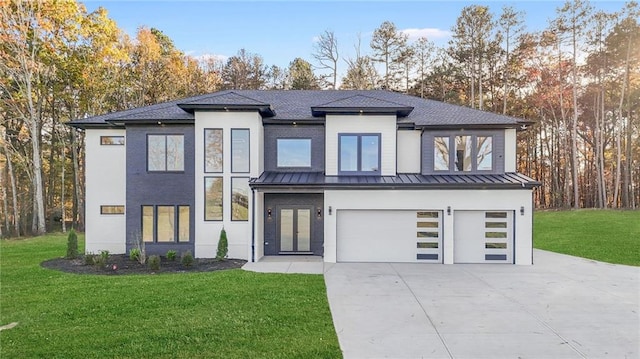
column 253, row 226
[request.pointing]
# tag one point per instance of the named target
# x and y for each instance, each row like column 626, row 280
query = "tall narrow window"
column 213, row 199
column 348, row 153
column 370, row 153
column 239, row 199
column 147, row 223
column 484, row 159
column 359, row 153
column 213, row 150
column 166, row 223
column 239, row 150
column 165, row 153
column 183, row 223
column 463, row 153
column 441, row 153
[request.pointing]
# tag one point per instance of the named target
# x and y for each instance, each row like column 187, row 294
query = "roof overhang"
column 288, row 181
column 265, row 110
column 318, row 111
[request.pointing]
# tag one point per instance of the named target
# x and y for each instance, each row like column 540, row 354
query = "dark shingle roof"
column 296, row 105
column 412, row 181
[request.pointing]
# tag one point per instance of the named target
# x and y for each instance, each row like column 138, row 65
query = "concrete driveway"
column 561, row 307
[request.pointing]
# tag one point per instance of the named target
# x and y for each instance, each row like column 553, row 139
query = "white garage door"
column 389, row 236
column 483, row 237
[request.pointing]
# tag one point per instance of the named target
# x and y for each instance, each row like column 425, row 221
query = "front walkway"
column 287, row 264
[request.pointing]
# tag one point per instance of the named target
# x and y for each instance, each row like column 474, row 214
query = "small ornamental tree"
column 72, row 245
column 223, row 246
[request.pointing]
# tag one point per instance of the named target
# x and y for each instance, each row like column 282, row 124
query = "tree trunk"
column 14, row 194
column 574, row 125
column 616, row 188
column 78, row 205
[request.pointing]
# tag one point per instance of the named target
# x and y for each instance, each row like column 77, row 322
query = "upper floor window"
column 294, row 152
column 471, row 153
column 359, row 153
column 213, row 150
column 240, row 150
column 112, row 140
column 165, row 152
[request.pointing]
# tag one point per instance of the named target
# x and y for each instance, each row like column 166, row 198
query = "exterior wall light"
column 448, row 210
column 319, row 212
column 268, row 212
column 522, row 210
column 330, row 210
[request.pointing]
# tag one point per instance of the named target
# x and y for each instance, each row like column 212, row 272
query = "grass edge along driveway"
column 228, row 314
column 611, row 236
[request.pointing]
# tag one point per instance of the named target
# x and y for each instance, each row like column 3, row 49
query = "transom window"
column 165, row 224
column 112, row 140
column 165, row 153
column 111, row 209
column 359, row 153
column 294, row 152
column 470, row 153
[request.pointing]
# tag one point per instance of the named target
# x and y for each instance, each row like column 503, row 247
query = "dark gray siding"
column 275, row 201
column 427, row 149
column 158, row 188
column 314, row 132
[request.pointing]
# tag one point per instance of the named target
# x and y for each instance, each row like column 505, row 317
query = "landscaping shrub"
column 72, row 245
column 134, row 254
column 138, row 245
column 154, row 262
column 89, row 259
column 187, row 259
column 223, row 246
column 104, row 255
column 171, row 255
column 100, row 261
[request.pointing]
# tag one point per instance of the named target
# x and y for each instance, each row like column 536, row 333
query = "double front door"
column 294, row 229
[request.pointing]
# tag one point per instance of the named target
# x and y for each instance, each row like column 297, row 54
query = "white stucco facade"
column 385, row 125
column 409, row 149
column 510, row 150
column 105, row 186
column 238, row 232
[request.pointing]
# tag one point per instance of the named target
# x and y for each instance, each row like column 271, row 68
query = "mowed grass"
column 227, row 314
column 611, row 236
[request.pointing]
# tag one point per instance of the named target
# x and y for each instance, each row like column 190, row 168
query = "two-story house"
column 371, row 176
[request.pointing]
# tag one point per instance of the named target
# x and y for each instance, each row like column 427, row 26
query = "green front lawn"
column 227, row 314
column 611, row 236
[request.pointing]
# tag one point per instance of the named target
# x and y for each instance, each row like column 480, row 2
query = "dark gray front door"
column 294, row 229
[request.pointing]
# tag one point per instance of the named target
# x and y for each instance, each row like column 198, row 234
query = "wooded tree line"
column 577, row 81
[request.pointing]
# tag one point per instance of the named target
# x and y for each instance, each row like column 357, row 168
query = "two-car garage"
column 418, row 236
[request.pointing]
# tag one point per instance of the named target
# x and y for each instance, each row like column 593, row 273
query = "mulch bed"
column 124, row 265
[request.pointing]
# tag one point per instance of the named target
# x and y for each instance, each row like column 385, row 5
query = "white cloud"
column 428, row 32
column 315, row 39
column 207, row 57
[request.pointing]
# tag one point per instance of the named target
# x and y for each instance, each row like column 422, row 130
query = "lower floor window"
column 165, row 224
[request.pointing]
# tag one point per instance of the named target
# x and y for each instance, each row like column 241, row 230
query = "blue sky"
column 282, row 30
